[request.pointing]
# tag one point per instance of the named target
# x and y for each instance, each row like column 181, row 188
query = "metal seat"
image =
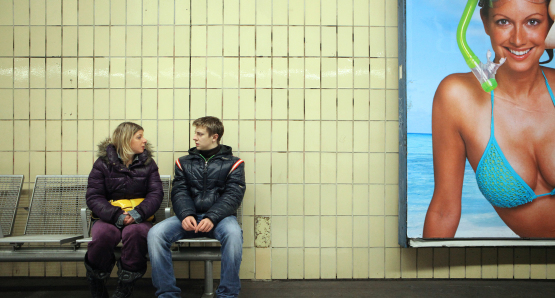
column 10, row 192
column 160, row 215
column 54, row 210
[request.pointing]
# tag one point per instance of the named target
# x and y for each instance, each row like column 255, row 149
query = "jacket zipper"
column 205, row 174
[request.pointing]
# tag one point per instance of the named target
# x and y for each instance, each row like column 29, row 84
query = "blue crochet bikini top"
column 497, row 180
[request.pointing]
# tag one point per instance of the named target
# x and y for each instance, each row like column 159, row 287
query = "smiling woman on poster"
column 507, row 135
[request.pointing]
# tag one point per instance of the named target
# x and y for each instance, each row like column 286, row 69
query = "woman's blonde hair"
column 121, row 139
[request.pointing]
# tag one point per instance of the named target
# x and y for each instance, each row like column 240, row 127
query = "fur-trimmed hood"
column 107, row 152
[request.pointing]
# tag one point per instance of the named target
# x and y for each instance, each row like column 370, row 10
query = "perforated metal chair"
column 10, row 192
column 54, row 210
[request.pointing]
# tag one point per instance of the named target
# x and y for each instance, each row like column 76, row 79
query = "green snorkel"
column 485, row 73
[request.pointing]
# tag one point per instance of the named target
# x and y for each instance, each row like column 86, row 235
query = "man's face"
column 203, row 141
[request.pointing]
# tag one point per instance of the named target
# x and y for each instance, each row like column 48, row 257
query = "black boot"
column 126, row 281
column 97, row 281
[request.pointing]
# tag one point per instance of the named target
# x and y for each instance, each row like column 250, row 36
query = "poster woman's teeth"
column 519, row 53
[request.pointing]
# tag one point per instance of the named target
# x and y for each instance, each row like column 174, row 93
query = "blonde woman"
column 123, row 171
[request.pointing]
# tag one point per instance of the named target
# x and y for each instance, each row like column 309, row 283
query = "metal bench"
column 10, row 192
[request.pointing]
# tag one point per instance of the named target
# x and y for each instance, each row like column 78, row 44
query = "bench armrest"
column 84, row 224
column 167, row 212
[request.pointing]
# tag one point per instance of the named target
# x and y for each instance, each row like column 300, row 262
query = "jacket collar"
column 224, row 150
column 107, row 152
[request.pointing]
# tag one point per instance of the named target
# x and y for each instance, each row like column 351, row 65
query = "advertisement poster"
column 432, row 54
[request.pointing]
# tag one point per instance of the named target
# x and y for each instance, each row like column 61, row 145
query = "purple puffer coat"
column 111, row 180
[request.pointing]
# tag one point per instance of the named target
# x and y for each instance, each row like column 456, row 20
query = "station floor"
column 77, row 287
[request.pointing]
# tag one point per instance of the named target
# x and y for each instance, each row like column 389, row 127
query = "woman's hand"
column 128, row 219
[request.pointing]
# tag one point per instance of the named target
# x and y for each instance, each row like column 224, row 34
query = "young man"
column 208, row 187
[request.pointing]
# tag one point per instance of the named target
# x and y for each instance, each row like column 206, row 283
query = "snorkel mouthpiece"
column 485, row 73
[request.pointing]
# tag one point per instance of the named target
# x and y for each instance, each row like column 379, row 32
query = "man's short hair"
column 212, row 125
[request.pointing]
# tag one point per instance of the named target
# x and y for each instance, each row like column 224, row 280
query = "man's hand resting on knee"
column 205, row 225
column 189, row 223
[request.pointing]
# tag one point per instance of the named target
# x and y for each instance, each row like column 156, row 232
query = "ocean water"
column 478, row 218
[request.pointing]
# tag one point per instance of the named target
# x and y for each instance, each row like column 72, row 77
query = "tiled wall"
column 308, row 94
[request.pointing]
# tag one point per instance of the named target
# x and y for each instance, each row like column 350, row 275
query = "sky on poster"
column 432, row 53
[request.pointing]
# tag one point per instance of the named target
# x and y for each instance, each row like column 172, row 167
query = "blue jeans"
column 164, row 234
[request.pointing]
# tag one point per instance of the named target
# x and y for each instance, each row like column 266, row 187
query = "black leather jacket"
column 214, row 187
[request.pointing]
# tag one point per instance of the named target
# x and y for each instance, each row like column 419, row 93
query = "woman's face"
column 138, row 142
column 517, row 30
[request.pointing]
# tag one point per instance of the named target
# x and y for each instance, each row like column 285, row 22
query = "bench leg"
column 208, row 280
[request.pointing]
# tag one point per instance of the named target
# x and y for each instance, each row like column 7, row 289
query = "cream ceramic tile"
column 360, row 199
column 182, row 12
column 69, row 37
column 263, row 162
column 165, row 39
column 538, row 260
column 199, row 12
column 117, row 72
column 69, row 12
column 312, row 15
column 117, row 104
column 279, row 104
column 6, row 168
column 165, row 104
column 198, row 72
column 69, row 104
column 21, row 13
column 390, row 14
column 37, row 72
column 328, row 263
column 279, row 41
column 37, row 161
column 295, row 231
column 21, row 135
column 344, row 41
column 149, row 73
column 263, row 108
column 214, row 41
column 181, row 102
column 150, row 40
column 329, row 12
column 247, row 12
column 263, row 204
column 329, row 41
column 182, row 36
column 37, row 135
column 424, row 263
column 214, row 72
column 296, row 41
column 21, row 104
column 246, row 104
column 345, row 72
column 312, row 263
column 361, row 132
column 279, row 136
column 392, row 200
column 391, row 41
column 296, row 105
column 101, row 101
column 246, row 135
column 85, row 72
column 117, row 12
column 328, row 231
column 69, row 72
column 377, row 104
column 133, row 41
column 312, row 73
column 392, row 263
column 345, row 167
column 84, row 104
column 53, row 73
column 6, row 15
column 312, row 199
column 312, row 41
column 377, row 136
column 279, row 231
column 328, row 136
column 505, row 269
column 181, row 135
column 54, row 138
column 360, row 168
column 263, row 135
column 345, row 263
column 6, row 101
column 377, row 41
column 21, row 166
column 181, row 73
column 198, row 104
column 86, row 36
column 312, row 104
column 295, row 266
column 102, row 72
column 165, row 72
column 522, row 263
column 328, row 204
column 473, row 263
column 344, row 231
column 166, row 12
column 361, row 13
column 231, row 41
column 328, row 170
column 230, row 72
column 85, row 135
column 279, row 73
column 86, row 12
column 312, row 167
column 392, row 73
column 456, row 263
column 53, row 103
column 377, row 259
column 150, row 12
column 6, row 77
column 377, row 73
column 38, row 37
column 376, row 200
column 21, row 69
column 263, row 263
column 377, row 231
column 312, row 231
column 247, row 41
column 101, row 41
column 441, row 263
column 279, row 168
column 345, row 107
column 198, row 40
column 69, row 136
column 247, row 72
column 279, row 263
column 377, row 15
column 295, row 197
column 263, row 72
column 54, row 44
column 391, row 168
column 361, row 106
column 231, row 104
column 21, row 41
column 264, row 41
column 361, row 73
column 489, row 263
